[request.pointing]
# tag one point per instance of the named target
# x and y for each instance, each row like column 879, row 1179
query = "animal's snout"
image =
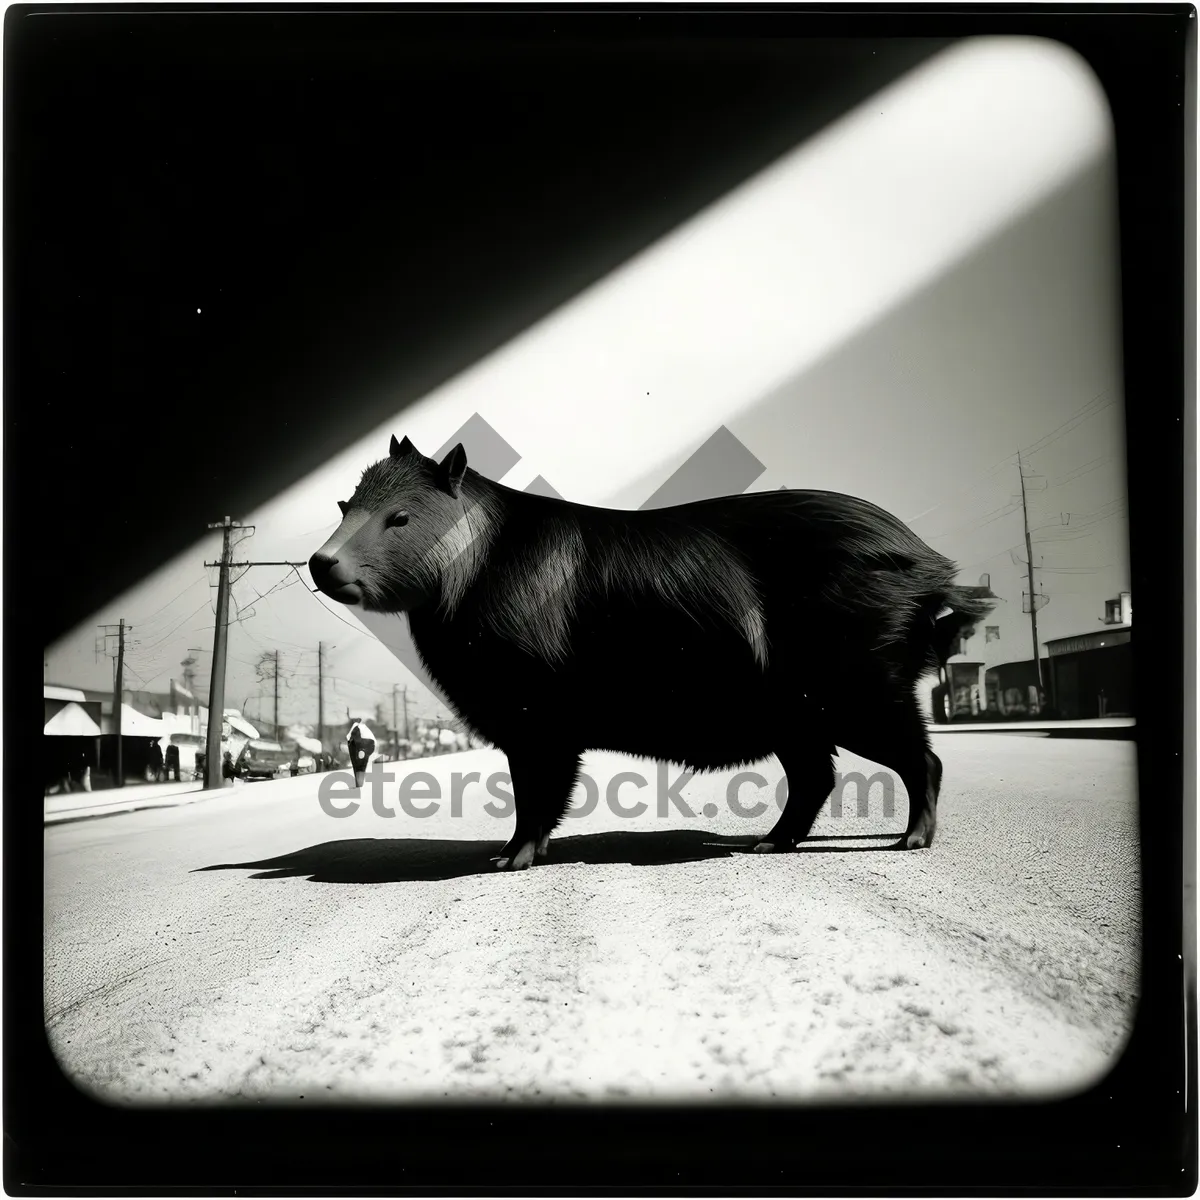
column 326, row 568
column 335, row 577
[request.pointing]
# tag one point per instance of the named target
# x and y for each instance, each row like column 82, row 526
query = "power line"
column 970, row 489
column 357, row 628
column 987, row 519
column 151, row 648
column 1084, row 413
column 1072, row 423
column 148, row 621
column 1073, row 532
column 1093, row 464
column 286, row 576
column 1108, row 504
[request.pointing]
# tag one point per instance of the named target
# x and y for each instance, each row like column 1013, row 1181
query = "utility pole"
column 216, row 691
column 403, row 692
column 1037, row 657
column 118, row 700
column 276, row 695
column 321, row 694
column 118, row 692
column 216, row 688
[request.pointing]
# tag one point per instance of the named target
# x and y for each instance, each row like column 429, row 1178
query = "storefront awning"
column 71, row 721
column 239, row 724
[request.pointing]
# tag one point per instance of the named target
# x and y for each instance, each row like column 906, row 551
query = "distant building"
column 1092, row 675
column 183, row 703
column 149, row 704
column 1084, row 676
column 1120, row 610
column 71, row 736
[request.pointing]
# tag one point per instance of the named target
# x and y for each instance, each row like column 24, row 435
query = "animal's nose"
column 328, row 571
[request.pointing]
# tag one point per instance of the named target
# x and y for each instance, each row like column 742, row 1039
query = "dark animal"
column 556, row 628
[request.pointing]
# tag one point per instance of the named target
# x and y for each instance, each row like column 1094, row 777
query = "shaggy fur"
column 710, row 634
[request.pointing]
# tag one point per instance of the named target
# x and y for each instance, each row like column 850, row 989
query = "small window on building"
column 960, row 645
column 992, row 633
column 1112, row 612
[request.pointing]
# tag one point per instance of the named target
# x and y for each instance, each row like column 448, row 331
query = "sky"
column 893, row 310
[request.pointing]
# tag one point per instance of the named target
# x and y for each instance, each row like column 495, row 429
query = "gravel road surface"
column 252, row 947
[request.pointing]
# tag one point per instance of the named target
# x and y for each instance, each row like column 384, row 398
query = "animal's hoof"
column 919, row 839
column 521, row 861
column 510, row 864
column 543, row 848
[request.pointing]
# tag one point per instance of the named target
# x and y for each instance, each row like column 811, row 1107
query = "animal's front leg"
column 810, row 779
column 542, row 784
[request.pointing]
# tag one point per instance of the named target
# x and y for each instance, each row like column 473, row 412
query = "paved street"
column 251, row 946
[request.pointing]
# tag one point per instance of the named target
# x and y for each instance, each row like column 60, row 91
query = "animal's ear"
column 402, row 449
column 451, row 470
column 343, row 506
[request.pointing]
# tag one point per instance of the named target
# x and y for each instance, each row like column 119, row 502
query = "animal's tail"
column 968, row 606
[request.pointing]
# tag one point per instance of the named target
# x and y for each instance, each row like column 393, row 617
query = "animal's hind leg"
column 810, row 779
column 542, row 785
column 896, row 737
column 922, row 818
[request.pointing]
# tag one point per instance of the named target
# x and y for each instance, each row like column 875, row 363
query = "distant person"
column 228, row 770
column 361, row 742
column 172, row 762
column 156, row 762
column 83, row 770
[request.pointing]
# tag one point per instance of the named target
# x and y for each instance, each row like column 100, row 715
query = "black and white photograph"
column 590, row 567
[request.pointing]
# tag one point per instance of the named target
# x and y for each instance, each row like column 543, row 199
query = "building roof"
column 52, row 691
column 71, row 721
column 136, row 724
column 1110, row 635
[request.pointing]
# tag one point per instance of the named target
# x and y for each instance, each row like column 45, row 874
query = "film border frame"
column 1071, row 1143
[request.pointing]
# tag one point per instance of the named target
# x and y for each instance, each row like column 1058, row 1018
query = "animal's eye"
column 399, row 517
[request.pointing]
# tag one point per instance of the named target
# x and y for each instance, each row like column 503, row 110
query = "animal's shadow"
column 399, row 860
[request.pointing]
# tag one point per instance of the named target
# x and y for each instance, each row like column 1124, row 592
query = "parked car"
column 300, row 761
column 262, row 759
